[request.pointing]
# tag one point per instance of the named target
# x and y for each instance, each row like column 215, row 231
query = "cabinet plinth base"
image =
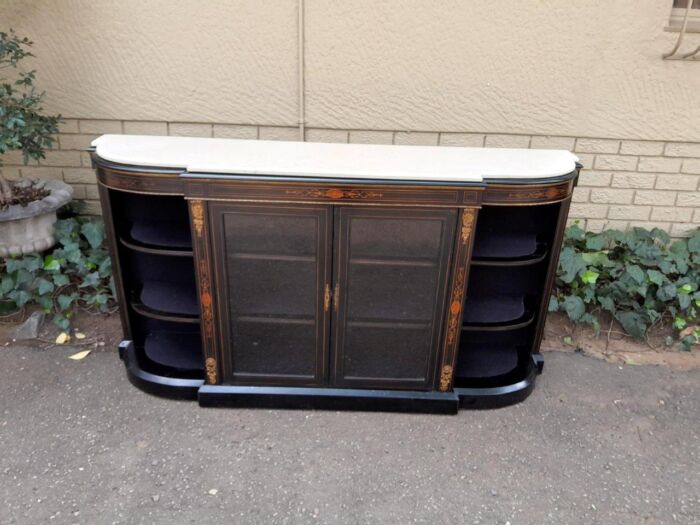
column 238, row 396
column 163, row 386
column 501, row 396
column 328, row 399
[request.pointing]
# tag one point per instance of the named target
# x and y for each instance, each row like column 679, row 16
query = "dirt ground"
column 614, row 346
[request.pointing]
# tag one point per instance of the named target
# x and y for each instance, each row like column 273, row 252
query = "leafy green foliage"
column 22, row 126
column 640, row 277
column 77, row 272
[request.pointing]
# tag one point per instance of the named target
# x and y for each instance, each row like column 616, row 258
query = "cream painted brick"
column 90, row 208
column 659, row 164
column 683, row 230
column 100, row 127
column 14, row 157
column 92, row 191
column 597, row 146
column 327, row 135
column 189, row 129
column 68, row 125
column 641, row 147
column 75, row 141
column 597, row 226
column 633, row 180
column 548, row 142
column 683, row 149
column 696, row 216
column 371, row 137
column 145, row 127
column 611, row 196
column 78, row 191
column 10, row 172
column 580, row 194
column 61, row 158
column 462, row 139
column 595, row 178
column 41, row 172
column 650, row 225
column 54, row 143
column 655, row 198
column 691, row 166
column 507, row 141
column 586, row 159
column 278, row 133
column 416, row 138
column 588, row 211
column 629, row 212
column 689, row 199
column 79, row 175
column 677, row 182
column 85, row 160
column 673, row 214
column 581, row 223
column 615, row 162
column 226, row 131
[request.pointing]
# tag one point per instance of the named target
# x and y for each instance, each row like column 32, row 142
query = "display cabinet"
column 253, row 273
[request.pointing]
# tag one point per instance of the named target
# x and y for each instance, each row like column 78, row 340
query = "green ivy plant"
column 641, row 277
column 77, row 272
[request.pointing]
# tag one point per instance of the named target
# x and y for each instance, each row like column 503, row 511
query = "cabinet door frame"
column 341, row 284
column 217, row 210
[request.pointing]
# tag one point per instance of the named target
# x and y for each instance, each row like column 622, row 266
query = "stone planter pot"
column 30, row 228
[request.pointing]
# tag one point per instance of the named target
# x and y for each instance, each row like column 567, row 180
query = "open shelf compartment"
column 514, row 235
column 152, row 221
column 489, row 359
column 169, row 349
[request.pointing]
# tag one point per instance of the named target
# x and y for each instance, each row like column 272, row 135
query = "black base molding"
column 164, row 386
column 501, row 396
column 328, row 399
column 239, row 396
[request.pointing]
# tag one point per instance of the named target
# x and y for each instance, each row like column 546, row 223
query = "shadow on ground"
column 595, row 443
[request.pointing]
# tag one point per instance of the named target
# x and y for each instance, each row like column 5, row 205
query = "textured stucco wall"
column 551, row 67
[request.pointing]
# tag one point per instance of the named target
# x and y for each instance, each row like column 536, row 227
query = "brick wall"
column 624, row 182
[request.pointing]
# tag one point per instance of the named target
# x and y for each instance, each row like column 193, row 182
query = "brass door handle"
column 327, row 298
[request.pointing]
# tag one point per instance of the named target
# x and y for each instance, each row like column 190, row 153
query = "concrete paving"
column 595, row 443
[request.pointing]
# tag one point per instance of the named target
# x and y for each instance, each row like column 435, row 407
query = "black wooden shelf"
column 145, row 311
column 508, row 249
column 175, row 350
column 502, row 245
column 170, row 298
column 527, row 319
column 494, row 310
column 483, row 361
column 174, row 235
column 137, row 247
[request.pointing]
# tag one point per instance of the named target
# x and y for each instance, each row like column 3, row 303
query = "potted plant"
column 27, row 207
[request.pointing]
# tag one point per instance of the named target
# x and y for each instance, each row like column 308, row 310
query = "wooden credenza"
column 332, row 276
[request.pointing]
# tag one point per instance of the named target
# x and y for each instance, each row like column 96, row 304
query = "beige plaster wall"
column 551, row 67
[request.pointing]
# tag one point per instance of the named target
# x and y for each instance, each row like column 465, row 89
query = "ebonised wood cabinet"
column 332, row 276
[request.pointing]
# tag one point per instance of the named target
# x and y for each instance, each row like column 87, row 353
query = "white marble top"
column 313, row 159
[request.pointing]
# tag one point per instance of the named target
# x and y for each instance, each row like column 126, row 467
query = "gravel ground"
column 595, row 443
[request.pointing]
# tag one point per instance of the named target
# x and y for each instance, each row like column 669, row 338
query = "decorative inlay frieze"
column 210, row 365
column 445, row 378
column 334, row 193
column 467, row 224
column 545, row 193
column 455, row 306
column 197, row 216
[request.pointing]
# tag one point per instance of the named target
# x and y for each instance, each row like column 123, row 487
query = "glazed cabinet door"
column 273, row 266
column 390, row 281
